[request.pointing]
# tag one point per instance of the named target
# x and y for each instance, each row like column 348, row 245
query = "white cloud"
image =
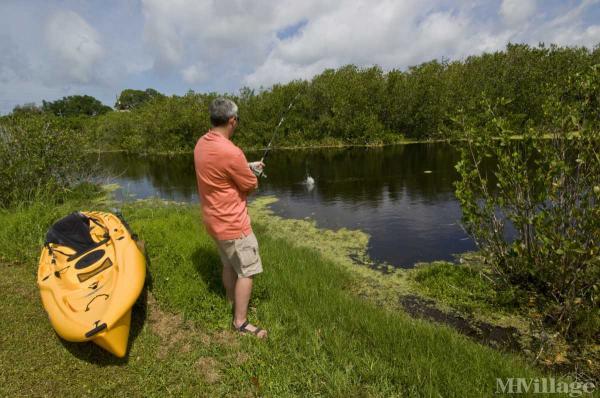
column 275, row 70
column 235, row 34
column 74, row 44
column 568, row 29
column 391, row 34
column 517, row 11
column 47, row 52
column 396, row 34
column 13, row 63
column 100, row 48
column 194, row 74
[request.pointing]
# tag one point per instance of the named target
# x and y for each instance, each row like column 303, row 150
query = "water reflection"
column 167, row 177
column 401, row 195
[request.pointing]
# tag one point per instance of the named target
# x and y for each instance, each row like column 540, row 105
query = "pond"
column 402, row 196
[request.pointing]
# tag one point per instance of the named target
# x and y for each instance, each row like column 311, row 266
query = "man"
column 224, row 181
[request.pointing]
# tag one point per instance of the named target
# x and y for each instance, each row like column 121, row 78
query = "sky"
column 54, row 48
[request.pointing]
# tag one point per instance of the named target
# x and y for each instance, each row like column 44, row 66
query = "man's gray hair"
column 221, row 110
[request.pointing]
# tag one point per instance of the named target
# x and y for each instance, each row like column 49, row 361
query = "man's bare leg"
column 229, row 278
column 243, row 290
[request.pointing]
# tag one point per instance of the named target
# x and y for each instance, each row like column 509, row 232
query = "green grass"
column 467, row 287
column 324, row 341
column 24, row 227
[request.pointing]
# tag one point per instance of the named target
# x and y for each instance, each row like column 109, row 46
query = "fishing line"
column 268, row 149
column 284, row 114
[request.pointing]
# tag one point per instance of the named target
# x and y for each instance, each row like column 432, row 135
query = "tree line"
column 345, row 106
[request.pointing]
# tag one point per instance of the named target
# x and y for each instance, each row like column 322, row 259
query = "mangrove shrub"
column 537, row 217
column 39, row 157
column 76, row 105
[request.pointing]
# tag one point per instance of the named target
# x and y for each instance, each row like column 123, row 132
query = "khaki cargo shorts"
column 241, row 254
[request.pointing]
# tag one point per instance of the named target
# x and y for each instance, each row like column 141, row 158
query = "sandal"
column 242, row 329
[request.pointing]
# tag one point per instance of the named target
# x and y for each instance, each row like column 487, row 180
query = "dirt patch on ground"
column 179, row 335
column 209, row 368
column 241, row 357
column 171, row 328
column 226, row 338
column 185, row 348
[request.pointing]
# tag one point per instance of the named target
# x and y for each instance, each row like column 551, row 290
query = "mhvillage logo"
column 521, row 385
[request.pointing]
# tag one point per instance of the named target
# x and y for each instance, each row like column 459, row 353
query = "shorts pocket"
column 247, row 254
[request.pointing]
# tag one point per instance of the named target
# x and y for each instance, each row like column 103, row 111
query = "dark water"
column 410, row 215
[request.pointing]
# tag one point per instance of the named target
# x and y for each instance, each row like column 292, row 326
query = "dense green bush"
column 75, row 105
column 546, row 188
column 130, row 99
column 116, row 130
column 27, row 109
column 39, row 157
column 162, row 124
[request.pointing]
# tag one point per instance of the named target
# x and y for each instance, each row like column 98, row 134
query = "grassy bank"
column 315, row 146
column 324, row 340
column 277, row 147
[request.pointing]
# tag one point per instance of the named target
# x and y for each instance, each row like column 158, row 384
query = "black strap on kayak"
column 96, row 330
column 87, row 307
column 57, row 273
column 106, row 231
column 53, row 249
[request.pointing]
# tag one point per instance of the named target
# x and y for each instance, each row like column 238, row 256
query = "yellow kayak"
column 91, row 272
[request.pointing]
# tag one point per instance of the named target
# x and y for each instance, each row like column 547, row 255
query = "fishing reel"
column 257, row 169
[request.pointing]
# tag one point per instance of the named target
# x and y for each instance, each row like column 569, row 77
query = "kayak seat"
column 73, row 231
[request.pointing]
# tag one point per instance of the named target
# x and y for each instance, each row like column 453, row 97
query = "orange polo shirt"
column 224, row 181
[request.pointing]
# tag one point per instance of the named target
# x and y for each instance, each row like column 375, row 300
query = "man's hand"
column 257, row 168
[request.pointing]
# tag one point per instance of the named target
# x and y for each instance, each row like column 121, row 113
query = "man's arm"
column 241, row 174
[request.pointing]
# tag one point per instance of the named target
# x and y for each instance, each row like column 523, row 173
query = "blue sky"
column 49, row 49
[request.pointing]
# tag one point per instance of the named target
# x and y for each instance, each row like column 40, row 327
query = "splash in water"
column 309, row 182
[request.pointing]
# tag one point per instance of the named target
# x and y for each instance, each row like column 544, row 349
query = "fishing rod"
column 268, row 149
